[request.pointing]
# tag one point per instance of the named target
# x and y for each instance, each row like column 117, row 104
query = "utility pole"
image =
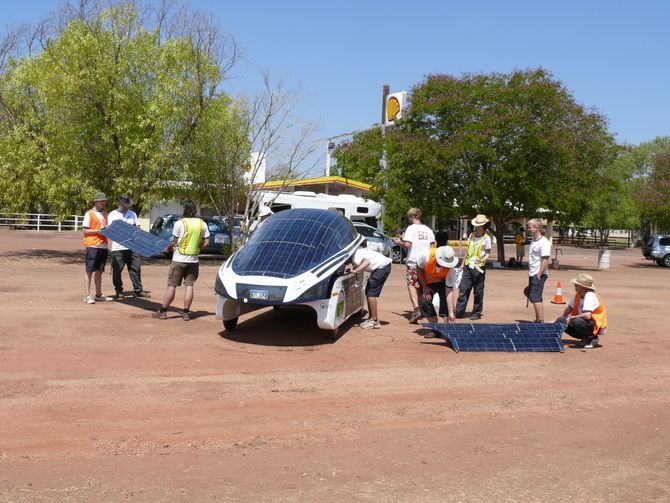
column 383, row 164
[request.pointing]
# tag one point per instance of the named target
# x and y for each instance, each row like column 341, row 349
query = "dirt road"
column 102, row 403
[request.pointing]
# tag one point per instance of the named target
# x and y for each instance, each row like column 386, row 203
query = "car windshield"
column 292, row 242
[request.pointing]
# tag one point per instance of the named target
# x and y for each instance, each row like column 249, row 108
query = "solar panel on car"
column 134, row 238
column 294, row 241
column 512, row 337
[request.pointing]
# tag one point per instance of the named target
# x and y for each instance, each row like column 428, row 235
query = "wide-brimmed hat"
column 583, row 279
column 479, row 220
column 125, row 199
column 99, row 196
column 446, row 257
column 265, row 211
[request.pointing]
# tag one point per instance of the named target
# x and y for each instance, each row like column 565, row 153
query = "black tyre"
column 666, row 260
column 276, row 308
column 334, row 334
column 396, row 255
column 230, row 324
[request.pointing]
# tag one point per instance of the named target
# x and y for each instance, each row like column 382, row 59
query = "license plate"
column 220, row 238
column 258, row 294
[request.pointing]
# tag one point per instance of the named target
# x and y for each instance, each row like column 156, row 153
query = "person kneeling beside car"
column 379, row 268
column 586, row 315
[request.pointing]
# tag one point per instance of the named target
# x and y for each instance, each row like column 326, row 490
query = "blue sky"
column 612, row 55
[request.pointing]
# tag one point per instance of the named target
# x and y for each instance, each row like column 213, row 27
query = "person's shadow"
column 153, row 305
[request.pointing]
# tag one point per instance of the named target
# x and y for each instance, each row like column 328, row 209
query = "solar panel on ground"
column 294, row 241
column 512, row 337
column 134, row 238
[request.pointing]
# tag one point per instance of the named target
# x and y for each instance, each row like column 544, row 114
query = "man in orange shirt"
column 95, row 243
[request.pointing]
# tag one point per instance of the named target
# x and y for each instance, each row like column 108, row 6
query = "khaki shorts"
column 182, row 271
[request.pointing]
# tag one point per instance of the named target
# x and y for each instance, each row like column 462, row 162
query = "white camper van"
column 353, row 207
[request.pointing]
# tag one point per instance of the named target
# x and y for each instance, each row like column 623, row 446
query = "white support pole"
column 38, row 221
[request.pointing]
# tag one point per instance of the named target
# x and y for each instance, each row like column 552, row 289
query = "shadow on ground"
column 287, row 326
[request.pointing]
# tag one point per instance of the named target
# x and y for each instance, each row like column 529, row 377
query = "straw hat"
column 584, row 280
column 99, row 196
column 479, row 220
column 446, row 257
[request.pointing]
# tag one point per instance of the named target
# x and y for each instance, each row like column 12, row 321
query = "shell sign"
column 395, row 105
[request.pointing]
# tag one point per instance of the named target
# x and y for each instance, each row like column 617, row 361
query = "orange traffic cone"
column 558, row 296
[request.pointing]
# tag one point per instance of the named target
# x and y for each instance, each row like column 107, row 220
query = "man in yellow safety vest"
column 189, row 234
column 474, row 269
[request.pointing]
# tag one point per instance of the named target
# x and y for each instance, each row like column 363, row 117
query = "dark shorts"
column 535, row 288
column 376, row 281
column 183, row 271
column 96, row 259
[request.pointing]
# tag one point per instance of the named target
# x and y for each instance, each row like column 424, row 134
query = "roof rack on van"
column 304, row 193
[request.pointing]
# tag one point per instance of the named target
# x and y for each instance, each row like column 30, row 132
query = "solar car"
column 296, row 257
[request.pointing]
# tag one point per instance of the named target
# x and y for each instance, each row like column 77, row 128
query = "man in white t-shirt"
column 122, row 256
column 586, row 316
column 474, row 269
column 190, row 234
column 379, row 268
column 539, row 252
column 418, row 240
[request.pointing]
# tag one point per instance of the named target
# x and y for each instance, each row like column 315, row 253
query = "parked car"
column 657, row 248
column 377, row 241
column 219, row 233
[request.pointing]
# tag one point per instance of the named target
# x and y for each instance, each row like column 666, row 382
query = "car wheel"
column 334, row 334
column 666, row 260
column 230, row 324
column 276, row 308
column 396, row 255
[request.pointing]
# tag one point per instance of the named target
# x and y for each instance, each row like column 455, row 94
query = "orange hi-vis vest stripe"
column 430, row 270
column 95, row 223
column 599, row 315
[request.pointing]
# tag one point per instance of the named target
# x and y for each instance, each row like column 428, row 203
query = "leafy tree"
column 111, row 102
column 500, row 144
column 654, row 195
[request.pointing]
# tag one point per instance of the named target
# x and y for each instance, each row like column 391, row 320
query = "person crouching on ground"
column 586, row 315
column 190, row 234
column 122, row 256
column 433, row 269
column 379, row 268
column 95, row 220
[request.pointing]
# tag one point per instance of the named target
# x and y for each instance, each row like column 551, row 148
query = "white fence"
column 40, row 221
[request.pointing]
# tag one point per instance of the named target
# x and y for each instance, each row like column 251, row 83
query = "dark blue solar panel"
column 134, row 238
column 292, row 242
column 513, row 337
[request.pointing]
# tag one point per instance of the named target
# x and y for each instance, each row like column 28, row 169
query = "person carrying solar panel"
column 122, row 256
column 379, row 268
column 586, row 315
column 474, row 269
column 96, row 247
column 438, row 275
column 189, row 234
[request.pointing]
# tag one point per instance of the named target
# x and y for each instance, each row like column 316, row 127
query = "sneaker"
column 416, row 316
column 476, row 316
column 185, row 315
column 370, row 323
column 593, row 343
column 143, row 294
column 89, row 299
column 103, row 298
column 159, row 315
column 119, row 296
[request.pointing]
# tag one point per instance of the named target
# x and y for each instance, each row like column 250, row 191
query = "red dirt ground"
column 102, row 403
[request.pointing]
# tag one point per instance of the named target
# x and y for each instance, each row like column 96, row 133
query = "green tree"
column 111, row 103
column 500, row 144
column 654, row 194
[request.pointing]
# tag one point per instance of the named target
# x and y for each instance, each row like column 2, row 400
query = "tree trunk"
column 499, row 238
